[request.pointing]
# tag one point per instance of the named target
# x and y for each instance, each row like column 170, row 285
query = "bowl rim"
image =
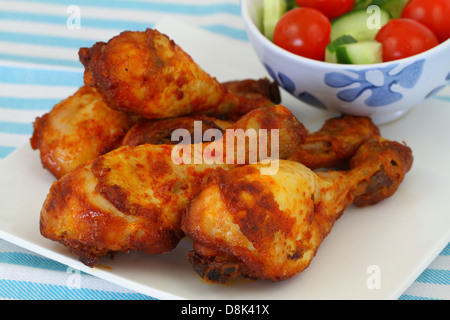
column 252, row 28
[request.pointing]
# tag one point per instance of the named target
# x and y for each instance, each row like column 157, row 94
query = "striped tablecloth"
column 46, row 35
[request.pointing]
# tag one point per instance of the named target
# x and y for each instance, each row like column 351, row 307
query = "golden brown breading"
column 77, row 129
column 159, row 131
column 251, row 93
column 243, row 96
column 255, row 89
column 336, row 142
column 244, row 223
column 148, row 74
column 132, row 198
column 381, row 165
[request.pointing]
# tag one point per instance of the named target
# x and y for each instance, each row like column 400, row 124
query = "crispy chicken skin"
column 81, row 127
column 77, row 129
column 270, row 227
column 336, row 142
column 148, row 74
column 255, row 89
column 159, row 131
column 132, row 198
column 380, row 166
column 245, row 95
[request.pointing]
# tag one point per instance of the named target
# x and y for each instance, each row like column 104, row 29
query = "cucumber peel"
column 359, row 24
column 394, row 7
column 273, row 10
column 362, row 4
column 364, row 52
column 330, row 53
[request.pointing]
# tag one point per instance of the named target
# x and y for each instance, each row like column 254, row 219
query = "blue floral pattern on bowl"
column 284, row 81
column 380, row 82
column 438, row 89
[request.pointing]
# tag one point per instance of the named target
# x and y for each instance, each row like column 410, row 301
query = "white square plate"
column 398, row 238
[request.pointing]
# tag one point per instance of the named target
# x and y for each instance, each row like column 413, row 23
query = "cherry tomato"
column 402, row 38
column 331, row 8
column 435, row 14
column 303, row 31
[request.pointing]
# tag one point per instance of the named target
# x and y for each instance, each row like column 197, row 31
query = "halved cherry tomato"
column 435, row 14
column 331, row 8
column 402, row 38
column 303, row 31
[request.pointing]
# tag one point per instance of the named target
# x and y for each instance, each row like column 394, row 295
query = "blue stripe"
column 20, row 75
column 43, row 104
column 5, row 151
column 165, row 7
column 78, row 43
column 239, row 34
column 446, row 251
column 435, row 276
column 84, row 22
column 411, row 297
column 16, row 127
column 13, row 289
column 29, row 260
column 447, row 99
column 45, row 40
column 40, row 60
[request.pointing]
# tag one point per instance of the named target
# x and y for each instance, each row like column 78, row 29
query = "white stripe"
column 428, row 290
column 120, row 14
column 36, row 91
column 30, row 7
column 23, row 116
column 39, row 51
column 440, row 263
column 444, row 92
column 49, row 29
column 24, row 273
column 13, row 140
column 35, row 66
column 6, row 246
column 71, row 279
column 195, row 2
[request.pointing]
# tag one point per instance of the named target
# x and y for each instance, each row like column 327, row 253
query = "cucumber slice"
column 365, row 52
column 291, row 4
column 379, row 3
column 362, row 4
column 272, row 12
column 330, row 53
column 359, row 24
column 394, row 7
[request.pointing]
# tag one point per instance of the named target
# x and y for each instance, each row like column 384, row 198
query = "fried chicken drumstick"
column 78, row 129
column 147, row 74
column 132, row 198
column 270, row 227
column 159, row 131
column 335, row 142
column 82, row 127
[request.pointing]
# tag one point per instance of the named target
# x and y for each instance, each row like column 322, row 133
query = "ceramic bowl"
column 384, row 91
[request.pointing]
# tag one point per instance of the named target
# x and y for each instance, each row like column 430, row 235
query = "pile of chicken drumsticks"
column 117, row 188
